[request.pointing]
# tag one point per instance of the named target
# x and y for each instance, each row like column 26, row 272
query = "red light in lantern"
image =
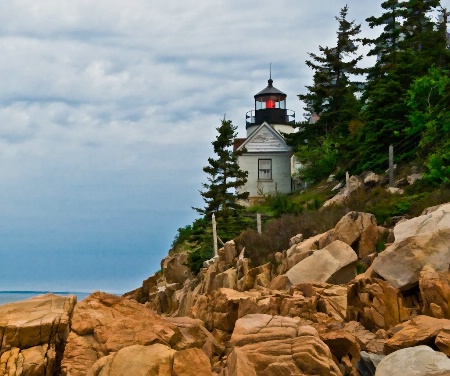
column 270, row 103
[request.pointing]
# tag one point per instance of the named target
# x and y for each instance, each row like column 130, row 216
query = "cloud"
column 107, row 113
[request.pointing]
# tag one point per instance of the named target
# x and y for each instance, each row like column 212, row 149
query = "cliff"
column 308, row 313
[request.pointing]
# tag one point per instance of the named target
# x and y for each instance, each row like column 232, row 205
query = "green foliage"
column 385, row 46
column 360, row 268
column 314, row 205
column 183, row 235
column 410, row 43
column 385, row 205
column 318, row 160
column 221, row 194
column 280, row 204
column 197, row 239
column 332, row 96
column 405, row 103
column 261, row 208
column 381, row 244
column 197, row 257
column 428, row 101
column 402, row 207
column 379, row 202
column 311, row 199
column 439, row 166
column 332, row 93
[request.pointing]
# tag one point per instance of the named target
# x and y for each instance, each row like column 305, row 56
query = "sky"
column 107, row 113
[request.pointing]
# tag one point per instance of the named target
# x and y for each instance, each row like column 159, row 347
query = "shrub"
column 359, row 200
column 439, row 167
column 360, row 268
column 198, row 238
column 274, row 238
column 425, row 200
column 183, row 235
column 385, row 205
column 276, row 233
column 197, row 257
column 319, row 160
column 381, row 244
column 280, row 204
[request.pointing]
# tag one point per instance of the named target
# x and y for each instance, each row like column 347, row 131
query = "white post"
column 216, row 251
column 391, row 166
column 258, row 223
column 347, row 179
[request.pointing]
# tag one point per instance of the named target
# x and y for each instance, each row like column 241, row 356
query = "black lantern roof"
column 270, row 90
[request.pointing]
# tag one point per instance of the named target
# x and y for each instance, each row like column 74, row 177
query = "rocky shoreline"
column 308, row 314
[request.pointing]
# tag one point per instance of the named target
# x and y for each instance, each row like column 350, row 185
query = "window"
column 264, row 169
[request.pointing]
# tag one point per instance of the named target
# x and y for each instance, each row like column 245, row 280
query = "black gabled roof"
column 270, row 90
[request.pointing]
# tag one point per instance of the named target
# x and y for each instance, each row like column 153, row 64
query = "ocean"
column 14, row 296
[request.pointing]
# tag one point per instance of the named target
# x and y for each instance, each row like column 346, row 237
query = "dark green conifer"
column 221, row 193
column 332, row 94
column 409, row 45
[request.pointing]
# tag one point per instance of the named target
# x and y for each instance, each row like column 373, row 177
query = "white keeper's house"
column 267, row 158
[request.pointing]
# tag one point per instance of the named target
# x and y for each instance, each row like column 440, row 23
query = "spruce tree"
column 386, row 45
column 419, row 28
column 409, row 44
column 333, row 97
column 221, row 193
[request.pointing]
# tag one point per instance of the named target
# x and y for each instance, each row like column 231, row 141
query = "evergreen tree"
column 418, row 28
column 385, row 46
column 333, row 97
column 332, row 94
column 384, row 111
column 407, row 47
column 221, row 193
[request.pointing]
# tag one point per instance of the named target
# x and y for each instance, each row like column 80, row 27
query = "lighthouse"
column 266, row 156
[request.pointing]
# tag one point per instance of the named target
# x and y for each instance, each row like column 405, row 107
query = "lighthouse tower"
column 266, row 156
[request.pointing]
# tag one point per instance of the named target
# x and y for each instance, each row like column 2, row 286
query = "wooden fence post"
column 391, row 166
column 347, row 180
column 216, row 251
column 258, row 223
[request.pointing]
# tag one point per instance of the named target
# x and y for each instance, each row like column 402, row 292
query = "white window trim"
column 266, row 171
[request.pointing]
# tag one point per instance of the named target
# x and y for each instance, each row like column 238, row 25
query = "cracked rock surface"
column 33, row 333
column 104, row 324
column 274, row 345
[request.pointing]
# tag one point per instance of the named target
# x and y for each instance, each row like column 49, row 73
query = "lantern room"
column 270, row 107
column 270, row 97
